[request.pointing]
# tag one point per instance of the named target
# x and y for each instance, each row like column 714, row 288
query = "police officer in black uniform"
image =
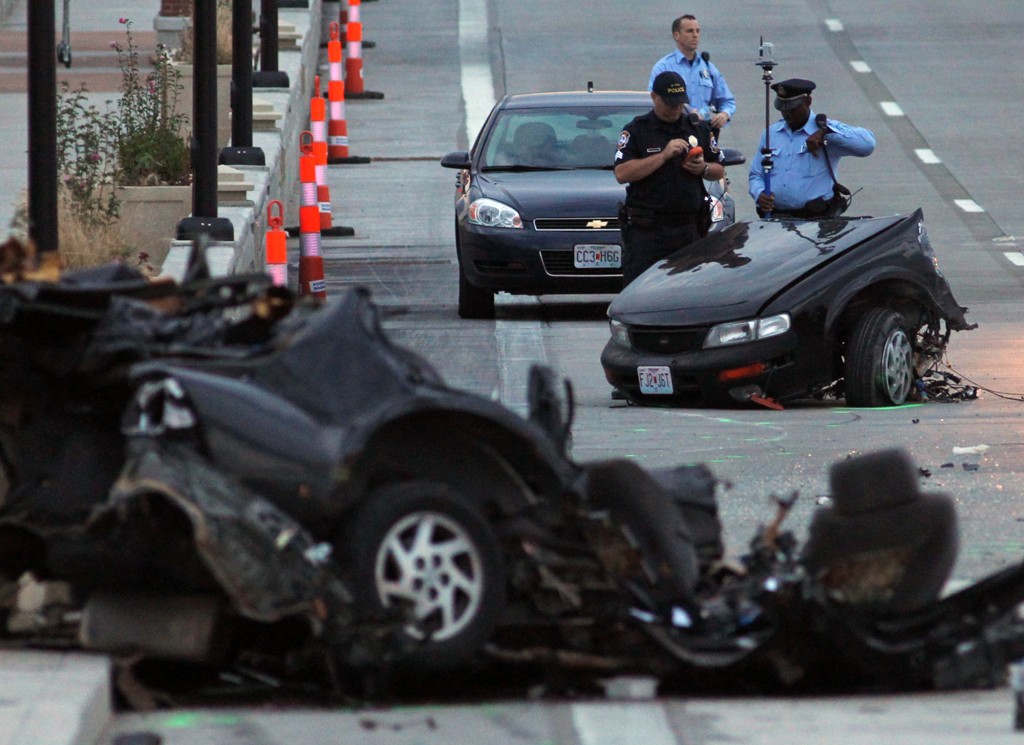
column 663, row 158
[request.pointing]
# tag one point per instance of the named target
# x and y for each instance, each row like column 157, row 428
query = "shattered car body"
column 293, row 443
column 169, row 460
column 783, row 309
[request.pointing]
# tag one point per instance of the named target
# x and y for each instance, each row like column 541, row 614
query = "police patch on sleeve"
column 623, row 139
column 714, row 145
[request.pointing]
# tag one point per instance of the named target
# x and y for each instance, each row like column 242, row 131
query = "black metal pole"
column 204, row 134
column 42, row 127
column 241, row 151
column 268, row 76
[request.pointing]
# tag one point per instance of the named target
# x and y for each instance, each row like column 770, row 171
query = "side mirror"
column 732, row 157
column 458, row 159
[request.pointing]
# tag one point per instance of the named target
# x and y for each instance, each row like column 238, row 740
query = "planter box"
column 150, row 216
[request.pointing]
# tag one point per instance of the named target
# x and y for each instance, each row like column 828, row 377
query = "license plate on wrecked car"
column 655, row 379
column 596, row 256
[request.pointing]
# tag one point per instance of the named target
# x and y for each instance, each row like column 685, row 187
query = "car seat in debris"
column 535, row 144
column 882, row 545
column 644, row 510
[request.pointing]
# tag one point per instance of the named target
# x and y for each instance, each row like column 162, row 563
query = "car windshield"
column 554, row 139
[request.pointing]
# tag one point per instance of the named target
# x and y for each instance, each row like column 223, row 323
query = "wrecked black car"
column 219, row 471
column 780, row 309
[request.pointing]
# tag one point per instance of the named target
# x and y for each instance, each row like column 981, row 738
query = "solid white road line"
column 610, row 723
column 477, row 87
column 519, row 343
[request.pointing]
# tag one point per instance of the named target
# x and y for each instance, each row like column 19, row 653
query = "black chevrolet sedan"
column 780, row 309
column 536, row 201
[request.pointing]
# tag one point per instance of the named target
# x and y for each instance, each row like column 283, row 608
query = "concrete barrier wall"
column 279, row 178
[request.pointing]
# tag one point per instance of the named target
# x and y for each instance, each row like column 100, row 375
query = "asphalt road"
column 938, row 83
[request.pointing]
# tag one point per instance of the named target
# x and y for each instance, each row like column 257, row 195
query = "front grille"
column 668, row 341
column 560, row 263
column 577, row 223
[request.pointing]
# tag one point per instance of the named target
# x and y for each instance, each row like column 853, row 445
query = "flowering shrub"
column 150, row 149
column 86, row 158
column 135, row 141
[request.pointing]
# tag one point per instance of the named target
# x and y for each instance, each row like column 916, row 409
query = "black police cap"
column 789, row 93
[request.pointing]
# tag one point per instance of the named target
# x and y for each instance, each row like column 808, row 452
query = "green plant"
column 133, row 141
column 86, row 157
column 150, row 148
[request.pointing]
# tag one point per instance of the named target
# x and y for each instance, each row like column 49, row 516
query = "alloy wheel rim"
column 428, row 559
column 896, row 366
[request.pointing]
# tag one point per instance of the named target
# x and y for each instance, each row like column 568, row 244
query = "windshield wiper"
column 518, row 168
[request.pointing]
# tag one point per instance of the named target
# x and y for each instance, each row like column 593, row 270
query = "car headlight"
column 740, row 332
column 492, row 214
column 620, row 334
column 717, row 209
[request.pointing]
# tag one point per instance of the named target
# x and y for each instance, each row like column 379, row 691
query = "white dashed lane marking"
column 968, row 205
column 891, row 108
column 834, row 24
column 927, row 156
column 860, row 66
column 1016, row 257
column 617, row 723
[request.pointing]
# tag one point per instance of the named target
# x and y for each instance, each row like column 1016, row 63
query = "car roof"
column 558, row 99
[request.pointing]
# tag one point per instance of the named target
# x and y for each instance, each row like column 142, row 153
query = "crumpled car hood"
column 765, row 266
column 742, row 266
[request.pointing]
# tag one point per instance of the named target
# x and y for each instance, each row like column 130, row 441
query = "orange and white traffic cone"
column 318, row 126
column 337, row 126
column 275, row 246
column 354, row 84
column 344, row 17
column 311, row 261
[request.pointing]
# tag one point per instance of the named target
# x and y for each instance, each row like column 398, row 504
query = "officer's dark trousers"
column 644, row 247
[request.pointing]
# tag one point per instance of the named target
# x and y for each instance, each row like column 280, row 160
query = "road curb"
column 53, row 698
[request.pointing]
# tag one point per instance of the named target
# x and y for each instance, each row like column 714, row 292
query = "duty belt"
column 675, row 219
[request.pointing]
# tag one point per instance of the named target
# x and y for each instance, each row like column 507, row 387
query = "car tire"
column 474, row 302
column 879, row 360
column 419, row 542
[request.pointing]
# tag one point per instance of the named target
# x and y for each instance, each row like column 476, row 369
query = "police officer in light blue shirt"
column 804, row 155
column 709, row 95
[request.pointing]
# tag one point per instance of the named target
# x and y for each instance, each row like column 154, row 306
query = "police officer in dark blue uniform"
column 663, row 158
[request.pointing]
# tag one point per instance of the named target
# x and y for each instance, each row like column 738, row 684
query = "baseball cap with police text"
column 671, row 87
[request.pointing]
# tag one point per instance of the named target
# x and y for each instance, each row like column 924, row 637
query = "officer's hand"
column 719, row 120
column 694, row 164
column 675, row 147
column 765, row 202
column 814, row 141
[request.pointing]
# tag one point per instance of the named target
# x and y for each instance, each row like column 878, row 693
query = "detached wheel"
column 473, row 301
column 879, row 360
column 418, row 544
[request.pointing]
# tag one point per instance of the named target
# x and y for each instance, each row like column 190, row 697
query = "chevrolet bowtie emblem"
column 597, row 224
